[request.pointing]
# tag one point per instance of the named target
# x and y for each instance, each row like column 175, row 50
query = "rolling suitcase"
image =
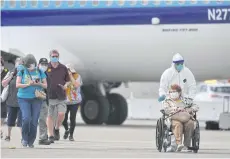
column 224, row 118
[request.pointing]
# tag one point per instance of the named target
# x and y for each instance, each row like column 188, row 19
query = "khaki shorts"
column 56, row 106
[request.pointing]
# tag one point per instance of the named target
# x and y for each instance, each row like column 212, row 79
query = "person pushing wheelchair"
column 180, row 75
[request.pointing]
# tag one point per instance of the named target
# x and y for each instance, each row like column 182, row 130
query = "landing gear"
column 98, row 108
column 118, row 109
column 95, row 107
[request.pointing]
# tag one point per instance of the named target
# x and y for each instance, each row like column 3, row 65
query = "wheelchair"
column 164, row 132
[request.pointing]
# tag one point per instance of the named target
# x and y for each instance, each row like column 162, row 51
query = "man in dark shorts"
column 58, row 78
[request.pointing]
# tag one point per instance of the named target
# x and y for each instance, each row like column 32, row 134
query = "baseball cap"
column 43, row 60
column 71, row 68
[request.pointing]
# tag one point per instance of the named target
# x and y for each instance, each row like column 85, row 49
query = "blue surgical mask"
column 179, row 67
column 20, row 67
column 54, row 59
column 43, row 68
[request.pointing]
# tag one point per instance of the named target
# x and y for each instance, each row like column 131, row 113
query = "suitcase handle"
column 226, row 99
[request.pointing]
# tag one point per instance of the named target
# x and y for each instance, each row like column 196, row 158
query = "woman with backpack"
column 30, row 83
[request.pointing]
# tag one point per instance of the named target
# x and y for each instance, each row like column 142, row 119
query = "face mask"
column 54, row 59
column 20, row 67
column 179, row 67
column 32, row 67
column 43, row 68
column 174, row 95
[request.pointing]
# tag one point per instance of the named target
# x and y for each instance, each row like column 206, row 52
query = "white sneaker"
column 185, row 149
column 171, row 148
column 179, row 148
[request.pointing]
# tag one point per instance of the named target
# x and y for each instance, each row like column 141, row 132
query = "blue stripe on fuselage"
column 88, row 4
column 116, row 16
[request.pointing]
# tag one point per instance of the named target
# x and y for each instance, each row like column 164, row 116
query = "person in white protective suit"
column 182, row 118
column 179, row 74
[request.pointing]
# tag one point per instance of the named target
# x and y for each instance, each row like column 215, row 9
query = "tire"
column 159, row 134
column 196, row 138
column 118, row 109
column 95, row 110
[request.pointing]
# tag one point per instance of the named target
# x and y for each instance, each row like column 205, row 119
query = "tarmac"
column 127, row 141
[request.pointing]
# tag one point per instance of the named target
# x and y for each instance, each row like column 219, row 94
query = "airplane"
column 115, row 42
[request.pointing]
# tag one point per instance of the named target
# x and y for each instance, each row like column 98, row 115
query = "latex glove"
column 161, row 98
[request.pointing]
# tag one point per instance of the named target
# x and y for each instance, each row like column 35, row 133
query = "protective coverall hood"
column 177, row 58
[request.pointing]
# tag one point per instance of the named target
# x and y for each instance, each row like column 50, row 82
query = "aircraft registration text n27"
column 219, row 14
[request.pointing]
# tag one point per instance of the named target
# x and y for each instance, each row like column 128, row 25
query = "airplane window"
column 168, row 2
column 58, row 3
column 157, row 2
column 46, row 3
column 71, row 3
column 121, row 2
column 23, row 3
column 109, row 3
column 82, row 2
column 219, row 1
column 181, row 2
column 12, row 3
column 145, row 2
column 206, row 1
column 133, row 2
column 95, row 2
column 34, row 3
column 193, row 1
column 2, row 3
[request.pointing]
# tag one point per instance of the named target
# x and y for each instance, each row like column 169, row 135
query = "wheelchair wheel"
column 159, row 134
column 196, row 138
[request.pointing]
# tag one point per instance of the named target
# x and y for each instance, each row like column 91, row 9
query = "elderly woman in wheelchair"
column 179, row 119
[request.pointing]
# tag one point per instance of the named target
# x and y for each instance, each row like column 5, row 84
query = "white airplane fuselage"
column 129, row 52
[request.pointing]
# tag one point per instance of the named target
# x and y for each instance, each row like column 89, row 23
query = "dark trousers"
column 3, row 110
column 72, row 109
column 13, row 114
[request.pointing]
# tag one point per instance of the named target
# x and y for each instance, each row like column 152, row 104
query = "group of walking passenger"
column 40, row 92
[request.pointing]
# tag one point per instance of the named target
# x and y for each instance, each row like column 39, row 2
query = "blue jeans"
column 30, row 109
